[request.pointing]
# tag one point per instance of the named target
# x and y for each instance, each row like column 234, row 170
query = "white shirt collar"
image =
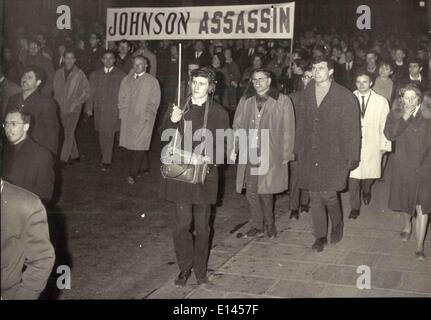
column 418, row 79
column 108, row 70
column 138, row 74
column 199, row 102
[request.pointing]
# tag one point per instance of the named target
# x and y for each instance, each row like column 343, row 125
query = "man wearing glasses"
column 26, row 164
column 267, row 117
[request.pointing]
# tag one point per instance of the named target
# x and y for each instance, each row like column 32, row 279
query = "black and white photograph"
column 242, row 152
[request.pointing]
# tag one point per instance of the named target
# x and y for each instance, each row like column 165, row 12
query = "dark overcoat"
column 411, row 162
column 30, row 166
column 45, row 124
column 327, row 137
column 104, row 89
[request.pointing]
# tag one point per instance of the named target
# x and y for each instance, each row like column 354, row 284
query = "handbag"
column 184, row 166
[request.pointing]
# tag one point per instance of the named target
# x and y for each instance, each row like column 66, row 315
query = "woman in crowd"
column 409, row 125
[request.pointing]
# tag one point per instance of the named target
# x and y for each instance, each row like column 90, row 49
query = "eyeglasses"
column 259, row 80
column 12, row 124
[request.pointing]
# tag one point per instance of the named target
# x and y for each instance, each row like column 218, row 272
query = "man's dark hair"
column 70, row 50
column 124, row 41
column 361, row 73
column 301, row 63
column 263, row 70
column 329, row 62
column 416, row 60
column 108, row 51
column 25, row 117
column 38, row 72
column 34, row 40
column 205, row 72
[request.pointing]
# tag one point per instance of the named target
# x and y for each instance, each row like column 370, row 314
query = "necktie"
column 363, row 106
column 137, row 76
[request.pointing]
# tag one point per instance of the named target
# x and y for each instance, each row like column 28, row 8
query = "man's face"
column 422, row 54
column 363, row 83
column 261, row 82
column 108, row 60
column 399, row 55
column 321, row 73
column 143, row 44
column 199, row 46
column 29, row 82
column 317, row 53
column 371, row 59
column 69, row 60
column 414, row 69
column 14, row 128
column 123, row 48
column 200, row 87
column 410, row 99
column 139, row 65
column 94, row 41
column 34, row 48
column 257, row 63
column 41, row 38
column 385, row 70
column 349, row 56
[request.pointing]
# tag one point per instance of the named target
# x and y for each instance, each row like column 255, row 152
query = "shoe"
column 354, row 214
column 405, row 236
column 131, row 180
column 253, row 232
column 203, row 280
column 366, row 197
column 271, row 231
column 294, row 214
column 304, row 208
column 182, row 278
column 420, row 255
column 319, row 244
column 104, row 166
column 337, row 233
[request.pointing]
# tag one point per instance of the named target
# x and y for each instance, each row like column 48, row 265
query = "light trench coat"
column 374, row 143
column 138, row 101
column 279, row 118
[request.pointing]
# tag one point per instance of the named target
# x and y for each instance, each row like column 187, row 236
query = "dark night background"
column 387, row 15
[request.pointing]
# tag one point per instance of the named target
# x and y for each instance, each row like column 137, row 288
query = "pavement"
column 286, row 267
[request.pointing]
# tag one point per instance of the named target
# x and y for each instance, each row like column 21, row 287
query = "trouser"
column 355, row 186
column 70, row 148
column 106, row 143
column 318, row 201
column 139, row 162
column 260, row 205
column 192, row 254
column 297, row 196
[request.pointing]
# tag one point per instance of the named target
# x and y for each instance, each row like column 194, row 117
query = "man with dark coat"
column 104, row 87
column 93, row 55
column 327, row 147
column 345, row 73
column 200, row 54
column 415, row 76
column 44, row 127
column 27, row 164
column 27, row 255
column 267, row 118
column 124, row 59
column 36, row 58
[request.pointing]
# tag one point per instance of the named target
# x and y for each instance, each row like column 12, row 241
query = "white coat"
column 374, row 143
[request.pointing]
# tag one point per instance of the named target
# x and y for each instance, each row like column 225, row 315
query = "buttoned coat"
column 411, row 161
column 374, row 143
column 24, row 242
column 44, row 124
column 327, row 138
column 71, row 93
column 138, row 102
column 279, row 119
column 104, row 89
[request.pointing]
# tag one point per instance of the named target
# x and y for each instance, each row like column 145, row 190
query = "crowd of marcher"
column 337, row 107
